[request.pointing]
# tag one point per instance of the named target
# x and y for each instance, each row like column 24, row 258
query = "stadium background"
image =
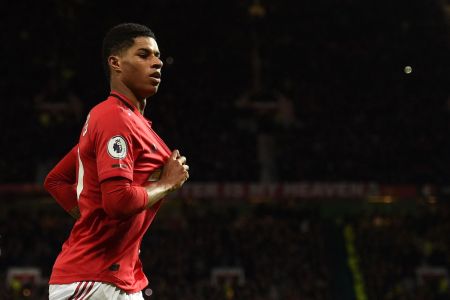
column 320, row 164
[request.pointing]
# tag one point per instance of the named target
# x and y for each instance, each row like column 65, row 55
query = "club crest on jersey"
column 117, row 147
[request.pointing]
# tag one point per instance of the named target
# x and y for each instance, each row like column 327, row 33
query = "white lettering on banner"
column 200, row 190
column 342, row 190
column 210, row 189
column 256, row 190
column 261, row 190
column 358, row 189
column 288, row 190
column 316, row 190
column 233, row 190
column 241, row 191
column 196, row 190
column 273, row 190
column 296, row 190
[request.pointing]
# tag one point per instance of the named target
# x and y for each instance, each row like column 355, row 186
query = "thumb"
column 175, row 154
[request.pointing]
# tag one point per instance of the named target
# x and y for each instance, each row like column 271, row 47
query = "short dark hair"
column 121, row 37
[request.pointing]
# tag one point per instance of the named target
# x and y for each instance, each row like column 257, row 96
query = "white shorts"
column 89, row 290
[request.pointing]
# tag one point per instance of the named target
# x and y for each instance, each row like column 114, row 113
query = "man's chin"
column 151, row 91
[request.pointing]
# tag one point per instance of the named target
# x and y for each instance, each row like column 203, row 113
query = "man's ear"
column 114, row 63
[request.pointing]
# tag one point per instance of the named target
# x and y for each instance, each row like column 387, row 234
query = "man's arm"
column 121, row 199
column 60, row 183
column 174, row 175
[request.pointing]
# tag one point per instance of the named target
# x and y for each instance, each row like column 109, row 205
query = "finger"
column 175, row 154
column 182, row 160
column 186, row 167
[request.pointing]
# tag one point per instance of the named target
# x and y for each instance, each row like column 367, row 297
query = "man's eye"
column 143, row 55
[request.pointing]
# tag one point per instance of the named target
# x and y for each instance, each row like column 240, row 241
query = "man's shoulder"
column 111, row 108
column 111, row 113
column 108, row 105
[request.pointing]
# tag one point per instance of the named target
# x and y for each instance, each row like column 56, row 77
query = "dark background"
column 358, row 115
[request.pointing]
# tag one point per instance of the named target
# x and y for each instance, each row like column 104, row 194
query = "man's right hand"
column 174, row 174
column 175, row 171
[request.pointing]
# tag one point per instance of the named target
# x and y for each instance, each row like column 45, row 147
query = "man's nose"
column 157, row 63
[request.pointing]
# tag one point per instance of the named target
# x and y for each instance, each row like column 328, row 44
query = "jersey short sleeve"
column 114, row 146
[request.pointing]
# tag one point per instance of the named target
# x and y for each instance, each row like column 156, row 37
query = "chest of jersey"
column 117, row 141
column 150, row 151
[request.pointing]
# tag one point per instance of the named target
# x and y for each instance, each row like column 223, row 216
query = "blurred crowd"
column 279, row 251
column 252, row 90
column 272, row 251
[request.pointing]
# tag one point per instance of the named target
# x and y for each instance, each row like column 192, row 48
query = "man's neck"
column 124, row 90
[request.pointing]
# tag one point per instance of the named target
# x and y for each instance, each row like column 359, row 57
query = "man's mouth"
column 156, row 75
column 156, row 78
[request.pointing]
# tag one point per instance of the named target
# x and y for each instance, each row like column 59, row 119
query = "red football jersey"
column 116, row 141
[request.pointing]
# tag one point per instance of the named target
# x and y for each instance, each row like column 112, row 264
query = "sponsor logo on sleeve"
column 117, row 147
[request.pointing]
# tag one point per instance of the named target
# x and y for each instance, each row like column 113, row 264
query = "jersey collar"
column 124, row 100
column 128, row 103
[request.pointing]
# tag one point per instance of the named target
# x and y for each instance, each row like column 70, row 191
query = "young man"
column 113, row 181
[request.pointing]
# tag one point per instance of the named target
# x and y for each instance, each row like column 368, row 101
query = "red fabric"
column 116, row 141
column 60, row 182
column 121, row 199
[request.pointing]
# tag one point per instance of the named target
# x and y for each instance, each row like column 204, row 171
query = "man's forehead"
column 145, row 42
